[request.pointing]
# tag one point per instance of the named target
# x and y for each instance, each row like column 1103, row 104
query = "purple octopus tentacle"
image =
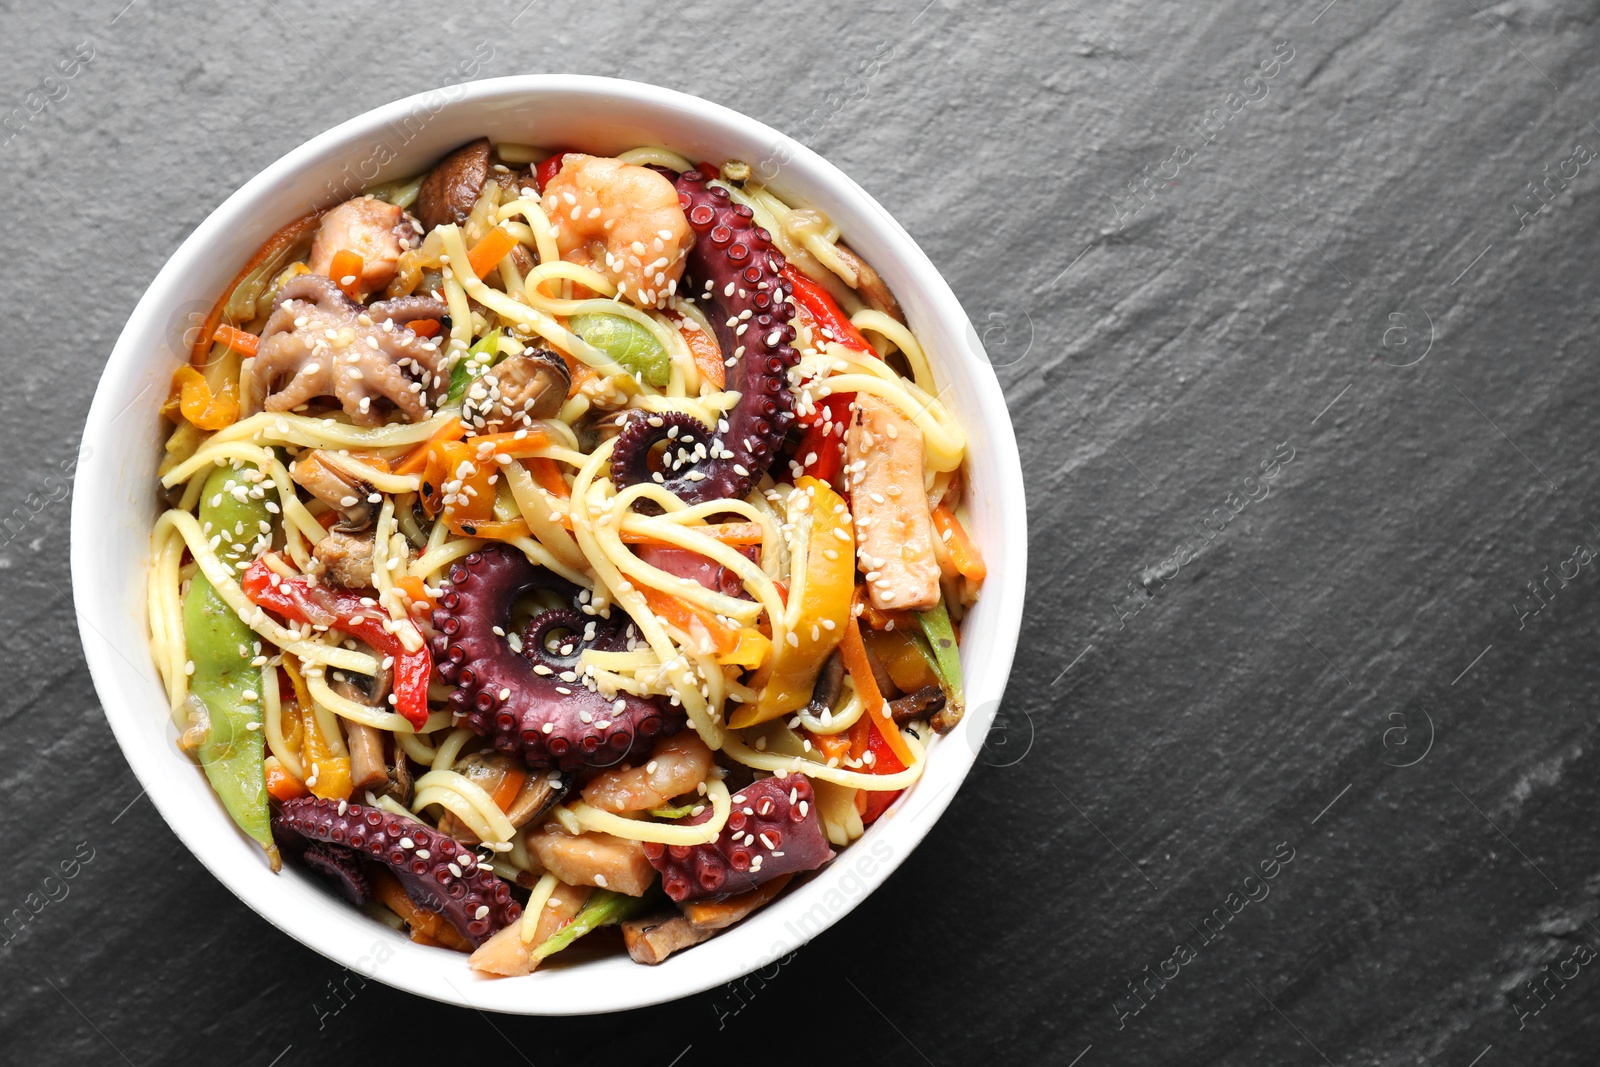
column 437, row 871
column 535, row 703
column 737, row 269
column 773, row 829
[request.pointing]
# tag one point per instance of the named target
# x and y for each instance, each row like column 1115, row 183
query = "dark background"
column 1354, row 271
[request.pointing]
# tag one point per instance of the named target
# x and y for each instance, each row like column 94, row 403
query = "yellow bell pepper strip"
column 197, row 403
column 942, row 637
column 900, row 655
column 855, row 661
column 752, row 650
column 221, row 648
column 817, row 621
column 964, row 555
column 296, row 600
column 329, row 775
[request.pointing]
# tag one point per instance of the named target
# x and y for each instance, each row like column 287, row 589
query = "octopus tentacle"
column 773, row 829
column 737, row 267
column 535, row 703
column 437, row 871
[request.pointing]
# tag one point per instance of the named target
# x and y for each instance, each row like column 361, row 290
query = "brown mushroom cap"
column 518, row 389
column 453, row 185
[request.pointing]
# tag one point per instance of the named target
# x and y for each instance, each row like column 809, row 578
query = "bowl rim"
column 348, row 932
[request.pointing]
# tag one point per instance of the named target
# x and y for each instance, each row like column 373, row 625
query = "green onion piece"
column 672, row 813
column 479, row 358
column 947, row 657
column 604, row 908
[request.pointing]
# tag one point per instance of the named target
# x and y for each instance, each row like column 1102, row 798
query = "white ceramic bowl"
column 116, row 503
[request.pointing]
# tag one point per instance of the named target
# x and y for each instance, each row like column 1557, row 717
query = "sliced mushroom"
column 488, row 771
column 825, row 691
column 918, row 705
column 653, row 939
column 517, row 390
column 327, row 477
column 870, row 285
column 368, row 769
column 453, row 185
column 346, row 558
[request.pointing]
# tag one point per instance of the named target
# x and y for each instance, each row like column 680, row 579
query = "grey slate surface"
column 1350, row 672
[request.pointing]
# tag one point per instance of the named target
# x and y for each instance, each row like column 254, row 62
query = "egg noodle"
column 733, row 606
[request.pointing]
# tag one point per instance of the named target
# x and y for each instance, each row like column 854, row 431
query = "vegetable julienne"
column 582, row 538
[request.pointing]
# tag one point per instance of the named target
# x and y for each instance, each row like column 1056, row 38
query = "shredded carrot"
column 692, row 619
column 415, row 590
column 280, row 783
column 878, row 619
column 293, row 232
column 547, row 472
column 963, row 553
column 579, row 371
column 832, row 746
column 417, row 458
column 424, row 327
column 854, row 651
column 487, row 253
column 347, row 265
column 241, row 341
column 426, row 926
column 707, row 356
column 509, row 787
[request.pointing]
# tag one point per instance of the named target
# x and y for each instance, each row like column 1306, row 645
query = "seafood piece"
column 437, row 872
column 373, row 229
column 532, row 702
column 734, row 264
column 772, row 830
column 624, row 221
column 676, row 766
column 318, row 342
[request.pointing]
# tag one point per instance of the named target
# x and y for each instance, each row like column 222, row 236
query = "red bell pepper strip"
column 884, row 761
column 298, row 601
column 824, row 436
column 547, row 170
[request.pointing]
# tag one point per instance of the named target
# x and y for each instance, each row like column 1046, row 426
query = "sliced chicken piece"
column 596, row 859
column 373, row 229
column 894, row 526
column 507, row 954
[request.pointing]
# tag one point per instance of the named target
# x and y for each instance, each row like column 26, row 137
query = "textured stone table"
column 1297, row 765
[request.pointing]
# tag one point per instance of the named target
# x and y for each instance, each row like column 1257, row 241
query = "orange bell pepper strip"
column 427, row 927
column 486, row 255
column 416, row 590
column 547, row 472
column 854, row 651
column 328, row 775
column 823, row 611
column 424, row 327
column 964, row 555
column 472, row 463
column 241, row 341
column 345, row 270
column 417, row 458
column 509, row 787
column 197, row 403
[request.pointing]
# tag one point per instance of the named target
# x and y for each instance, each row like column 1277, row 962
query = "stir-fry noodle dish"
column 559, row 544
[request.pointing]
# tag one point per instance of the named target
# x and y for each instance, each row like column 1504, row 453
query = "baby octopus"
column 532, row 699
column 624, row 221
column 319, row 342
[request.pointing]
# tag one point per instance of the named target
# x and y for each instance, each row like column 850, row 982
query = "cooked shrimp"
column 622, row 220
column 677, row 765
column 373, row 229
